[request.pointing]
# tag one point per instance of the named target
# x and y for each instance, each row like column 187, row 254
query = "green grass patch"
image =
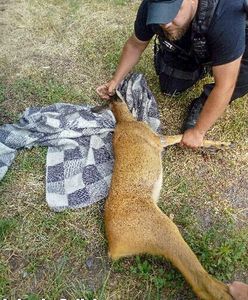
column 2, row 92
column 6, row 226
column 116, row 2
column 38, row 91
column 32, row 297
column 222, row 249
column 4, row 279
column 43, row 91
column 120, row 2
column 32, row 160
column 156, row 271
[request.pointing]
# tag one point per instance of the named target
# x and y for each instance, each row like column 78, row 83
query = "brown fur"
column 133, row 222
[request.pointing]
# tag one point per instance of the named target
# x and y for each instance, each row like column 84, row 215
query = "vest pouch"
column 176, row 74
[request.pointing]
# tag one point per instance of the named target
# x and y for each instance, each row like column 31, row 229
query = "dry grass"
column 58, row 50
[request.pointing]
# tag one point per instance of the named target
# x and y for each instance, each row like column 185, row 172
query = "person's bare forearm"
column 131, row 53
column 213, row 108
column 225, row 77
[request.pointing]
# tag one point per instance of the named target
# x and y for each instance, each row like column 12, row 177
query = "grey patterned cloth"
column 79, row 158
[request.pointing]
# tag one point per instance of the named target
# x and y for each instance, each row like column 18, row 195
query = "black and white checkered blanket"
column 79, row 159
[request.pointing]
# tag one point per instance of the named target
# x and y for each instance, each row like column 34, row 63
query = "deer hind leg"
column 154, row 233
column 182, row 257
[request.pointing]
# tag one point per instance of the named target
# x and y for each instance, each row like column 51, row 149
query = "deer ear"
column 120, row 98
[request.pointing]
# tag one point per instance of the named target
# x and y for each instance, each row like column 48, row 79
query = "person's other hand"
column 192, row 138
column 238, row 290
column 106, row 90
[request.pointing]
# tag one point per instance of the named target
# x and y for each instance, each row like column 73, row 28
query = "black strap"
column 176, row 73
column 204, row 15
column 246, row 6
column 200, row 25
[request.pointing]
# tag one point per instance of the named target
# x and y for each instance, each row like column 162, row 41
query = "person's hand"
column 238, row 290
column 192, row 138
column 106, row 90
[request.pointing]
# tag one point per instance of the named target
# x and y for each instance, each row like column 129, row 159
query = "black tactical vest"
column 175, row 62
column 200, row 25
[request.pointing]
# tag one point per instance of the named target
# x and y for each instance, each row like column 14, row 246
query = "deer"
column 134, row 224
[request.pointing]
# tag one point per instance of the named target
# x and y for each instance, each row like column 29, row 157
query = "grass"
column 68, row 49
column 6, row 226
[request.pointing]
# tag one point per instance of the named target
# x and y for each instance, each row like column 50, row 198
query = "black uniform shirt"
column 226, row 33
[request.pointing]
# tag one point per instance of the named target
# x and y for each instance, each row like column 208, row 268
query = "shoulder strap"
column 200, row 25
column 204, row 15
column 246, row 6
